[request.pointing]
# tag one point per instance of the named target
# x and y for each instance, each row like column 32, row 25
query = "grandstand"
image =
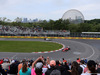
column 90, row 34
column 22, row 31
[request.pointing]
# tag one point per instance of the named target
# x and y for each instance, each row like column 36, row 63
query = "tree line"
column 88, row 25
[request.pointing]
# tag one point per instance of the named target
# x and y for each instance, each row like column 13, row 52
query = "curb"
column 53, row 50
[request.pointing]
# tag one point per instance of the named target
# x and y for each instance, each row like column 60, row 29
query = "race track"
column 89, row 49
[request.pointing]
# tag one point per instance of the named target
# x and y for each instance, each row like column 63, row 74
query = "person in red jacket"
column 1, row 61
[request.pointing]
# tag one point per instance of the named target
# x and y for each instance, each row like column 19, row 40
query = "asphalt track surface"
column 82, row 48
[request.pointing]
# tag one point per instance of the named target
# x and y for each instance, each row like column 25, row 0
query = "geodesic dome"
column 74, row 16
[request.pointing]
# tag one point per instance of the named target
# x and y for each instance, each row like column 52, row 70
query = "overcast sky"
column 48, row 9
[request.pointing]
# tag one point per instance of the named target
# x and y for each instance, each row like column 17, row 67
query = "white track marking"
column 14, row 56
column 88, row 46
column 92, row 53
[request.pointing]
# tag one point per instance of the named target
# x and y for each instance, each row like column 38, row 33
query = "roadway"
column 89, row 49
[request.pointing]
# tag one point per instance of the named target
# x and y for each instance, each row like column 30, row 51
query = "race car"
column 66, row 49
column 47, row 39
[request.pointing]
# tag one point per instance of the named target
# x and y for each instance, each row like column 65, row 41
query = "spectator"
column 98, row 68
column 37, row 70
column 2, row 71
column 82, row 65
column 45, row 66
column 20, row 65
column 53, row 70
column 64, row 69
column 91, row 65
column 5, row 65
column 30, row 63
column 25, row 70
column 78, row 60
column 14, row 67
column 85, row 69
column 85, row 60
column 64, row 60
column 65, row 65
column 75, row 69
column 1, row 61
column 58, row 65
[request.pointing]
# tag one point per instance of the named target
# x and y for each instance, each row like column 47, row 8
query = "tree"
column 3, row 19
column 0, row 18
column 18, row 19
column 51, row 25
column 65, row 24
column 73, row 27
column 97, row 28
column 8, row 20
column 84, row 27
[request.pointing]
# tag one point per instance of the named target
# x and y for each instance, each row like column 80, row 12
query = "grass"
column 28, row 46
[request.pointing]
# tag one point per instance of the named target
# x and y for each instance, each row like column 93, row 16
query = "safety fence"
column 49, row 37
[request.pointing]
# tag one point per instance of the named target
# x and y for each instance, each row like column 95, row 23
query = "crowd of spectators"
column 45, row 66
column 29, row 31
column 16, row 29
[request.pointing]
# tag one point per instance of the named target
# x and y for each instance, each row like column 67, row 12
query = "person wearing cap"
column 64, row 60
column 37, row 67
column 52, row 69
column 85, row 60
column 2, row 72
column 78, row 60
column 6, row 64
column 82, row 65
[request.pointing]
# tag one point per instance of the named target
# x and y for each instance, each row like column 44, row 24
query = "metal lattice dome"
column 74, row 16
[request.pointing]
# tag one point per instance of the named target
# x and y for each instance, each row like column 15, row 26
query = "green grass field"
column 28, row 46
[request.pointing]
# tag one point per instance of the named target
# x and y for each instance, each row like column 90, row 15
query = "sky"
column 48, row 9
